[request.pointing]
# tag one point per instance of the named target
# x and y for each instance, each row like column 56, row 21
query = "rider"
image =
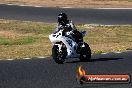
column 63, row 21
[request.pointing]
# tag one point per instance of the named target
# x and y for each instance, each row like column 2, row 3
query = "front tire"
column 85, row 53
column 58, row 58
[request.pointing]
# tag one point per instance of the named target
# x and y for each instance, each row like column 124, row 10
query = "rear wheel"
column 59, row 57
column 85, row 53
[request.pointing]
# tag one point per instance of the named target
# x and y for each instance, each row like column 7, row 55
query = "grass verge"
column 19, row 39
column 73, row 3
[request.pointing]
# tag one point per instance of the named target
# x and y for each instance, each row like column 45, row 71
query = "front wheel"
column 85, row 53
column 57, row 56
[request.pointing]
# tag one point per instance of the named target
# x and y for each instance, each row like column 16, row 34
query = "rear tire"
column 58, row 58
column 85, row 53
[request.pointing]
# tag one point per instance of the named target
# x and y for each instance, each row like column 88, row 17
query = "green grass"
column 22, row 41
column 19, row 39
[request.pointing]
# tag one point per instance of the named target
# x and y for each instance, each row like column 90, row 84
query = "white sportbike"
column 64, row 47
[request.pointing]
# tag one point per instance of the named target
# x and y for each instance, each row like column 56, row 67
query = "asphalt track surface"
column 45, row 73
column 78, row 15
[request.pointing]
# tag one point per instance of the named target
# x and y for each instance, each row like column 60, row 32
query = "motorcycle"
column 65, row 47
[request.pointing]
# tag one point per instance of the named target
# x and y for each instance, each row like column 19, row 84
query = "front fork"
column 61, row 46
column 62, row 50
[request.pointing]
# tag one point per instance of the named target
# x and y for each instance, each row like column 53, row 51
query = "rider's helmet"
column 62, row 19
